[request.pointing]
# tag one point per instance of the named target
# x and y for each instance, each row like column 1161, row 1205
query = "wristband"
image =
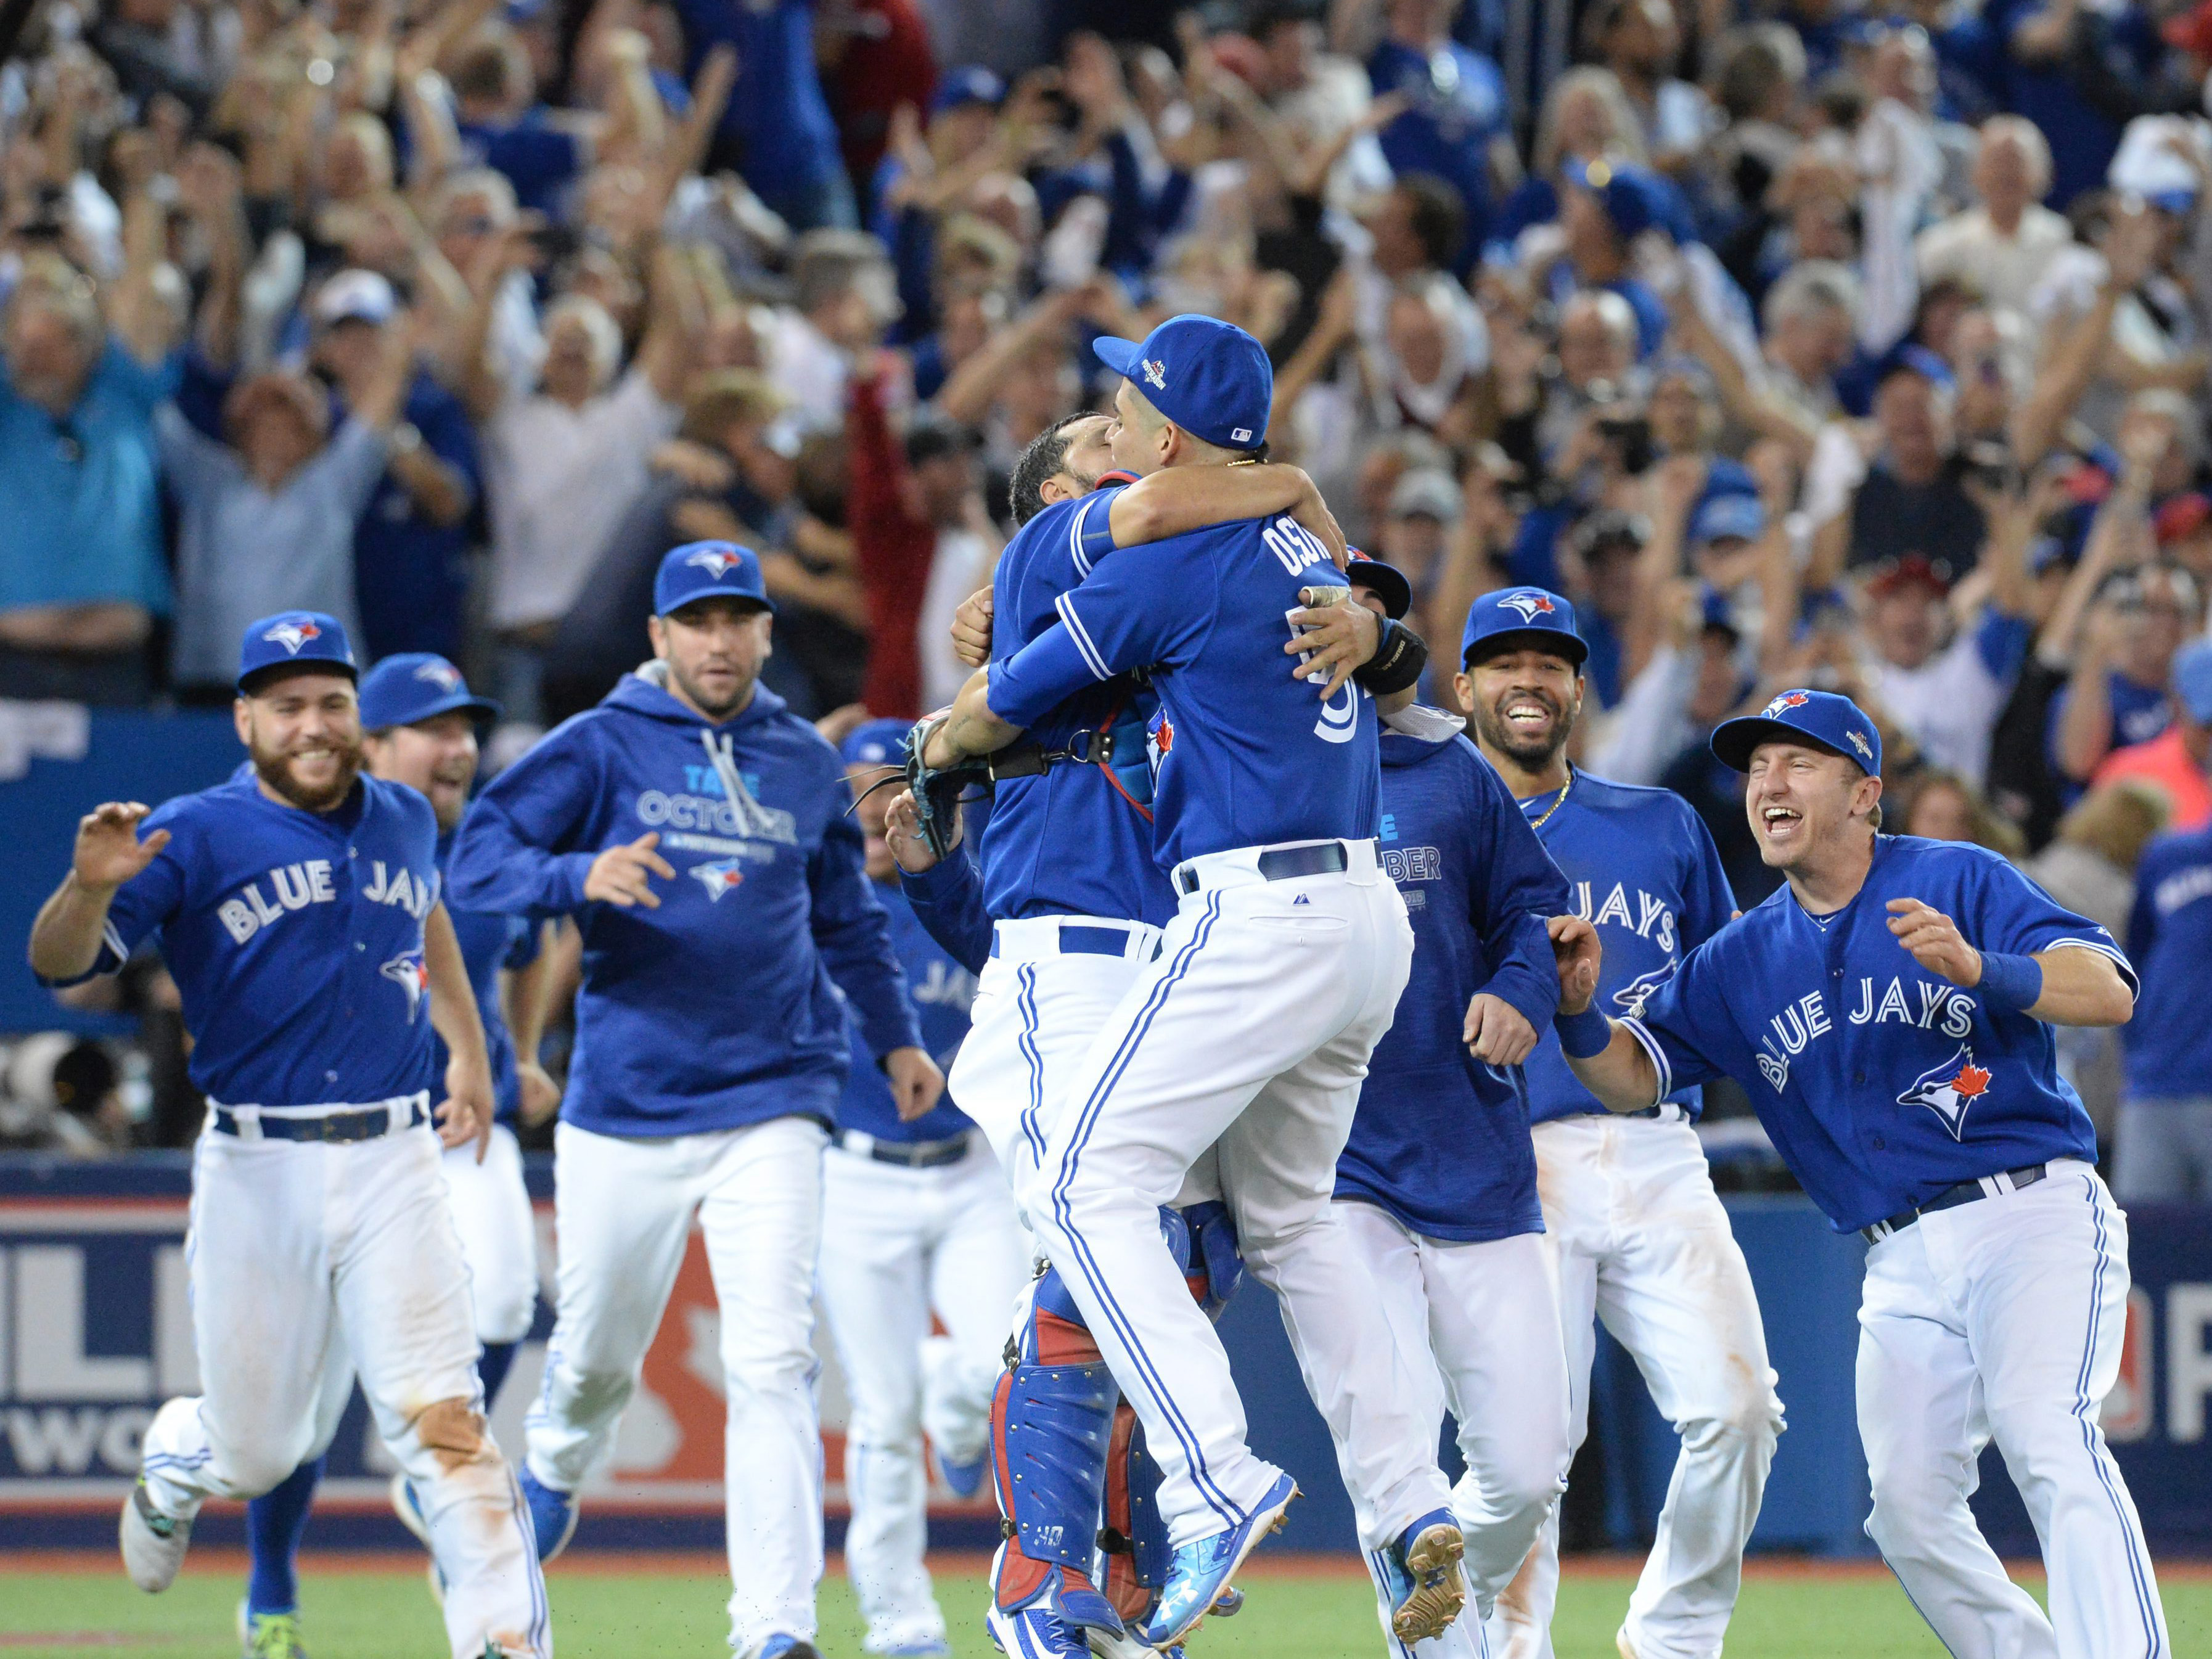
column 1399, row 658
column 2010, row 984
column 1584, row 1036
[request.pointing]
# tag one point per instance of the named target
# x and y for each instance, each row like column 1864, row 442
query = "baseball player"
column 1438, row 1183
column 1634, row 1231
column 916, row 1217
column 1071, row 936
column 1277, row 975
column 1889, row 1011
column 711, row 1048
column 420, row 724
column 297, row 906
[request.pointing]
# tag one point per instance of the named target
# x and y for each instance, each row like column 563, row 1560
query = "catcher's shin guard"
column 1134, row 1539
column 1051, row 1423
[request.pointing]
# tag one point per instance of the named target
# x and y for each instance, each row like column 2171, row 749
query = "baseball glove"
column 937, row 790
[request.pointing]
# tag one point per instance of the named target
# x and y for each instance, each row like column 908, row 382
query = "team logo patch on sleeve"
column 409, row 974
column 716, row 565
column 293, row 635
column 1631, row 997
column 723, row 876
column 1530, row 605
column 1948, row 1090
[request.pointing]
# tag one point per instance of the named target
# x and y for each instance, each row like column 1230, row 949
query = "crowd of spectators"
column 1861, row 343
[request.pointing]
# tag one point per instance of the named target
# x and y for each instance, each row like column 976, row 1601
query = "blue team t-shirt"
column 1880, row 1084
column 2167, row 1046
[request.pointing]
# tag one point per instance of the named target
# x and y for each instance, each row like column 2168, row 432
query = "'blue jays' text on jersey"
column 1641, row 866
column 295, row 939
column 489, row 943
column 1441, row 1140
column 717, row 1009
column 942, row 991
column 2167, row 1046
column 1882, row 1083
column 1065, row 843
column 1248, row 757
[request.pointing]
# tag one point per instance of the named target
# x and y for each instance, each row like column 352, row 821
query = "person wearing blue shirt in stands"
column 777, row 129
column 1636, row 1234
column 1457, row 120
column 917, row 1219
column 696, row 829
column 2162, row 1150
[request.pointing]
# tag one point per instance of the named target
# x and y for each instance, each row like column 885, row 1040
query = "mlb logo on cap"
column 708, row 570
column 1210, row 377
column 307, row 638
column 1823, row 719
column 1518, row 618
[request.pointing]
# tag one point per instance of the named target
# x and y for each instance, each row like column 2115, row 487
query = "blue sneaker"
column 786, row 1647
column 552, row 1515
column 965, row 1480
column 1423, row 1579
column 1199, row 1572
column 1035, row 1632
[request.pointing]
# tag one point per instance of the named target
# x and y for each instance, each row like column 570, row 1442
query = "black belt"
column 1326, row 857
column 1950, row 1198
column 332, row 1127
column 907, row 1154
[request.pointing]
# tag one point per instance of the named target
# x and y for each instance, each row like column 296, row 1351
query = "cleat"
column 782, row 1646
column 1427, row 1588
column 409, row 1509
column 269, row 1635
column 1229, row 1603
column 553, row 1523
column 1199, row 1575
column 1035, row 1632
column 153, row 1544
column 964, row 1479
column 935, row 1647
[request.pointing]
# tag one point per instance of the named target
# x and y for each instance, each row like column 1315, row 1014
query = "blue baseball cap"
column 1635, row 199
column 1387, row 580
column 1828, row 720
column 1518, row 617
column 1907, row 358
column 876, row 743
column 417, row 685
column 971, row 84
column 2192, row 680
column 290, row 639
column 1210, row 377
column 1718, row 517
column 708, row 570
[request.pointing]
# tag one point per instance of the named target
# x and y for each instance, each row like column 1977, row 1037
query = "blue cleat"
column 1198, row 1574
column 965, row 1480
column 552, row 1515
column 934, row 1648
column 1422, row 1577
column 1035, row 1632
column 786, row 1647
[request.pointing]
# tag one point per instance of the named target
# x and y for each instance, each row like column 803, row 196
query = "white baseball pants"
column 896, row 1244
column 623, row 1208
column 1641, row 1242
column 1253, row 1029
column 1488, row 1314
column 2002, row 1320
column 499, row 1237
column 307, row 1262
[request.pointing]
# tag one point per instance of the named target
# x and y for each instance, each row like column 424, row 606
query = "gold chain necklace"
column 1539, row 822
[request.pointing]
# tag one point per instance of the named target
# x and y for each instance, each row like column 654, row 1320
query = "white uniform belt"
column 1285, row 861
column 1032, row 938
column 337, row 1121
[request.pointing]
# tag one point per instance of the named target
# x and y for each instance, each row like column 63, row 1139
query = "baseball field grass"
column 621, row 1607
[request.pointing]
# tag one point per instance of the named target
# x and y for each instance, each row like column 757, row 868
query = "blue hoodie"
column 1440, row 1140
column 715, row 1010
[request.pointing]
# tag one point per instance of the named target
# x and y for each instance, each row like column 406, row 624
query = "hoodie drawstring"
column 752, row 818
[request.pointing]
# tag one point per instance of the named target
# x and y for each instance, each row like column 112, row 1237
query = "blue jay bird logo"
column 293, row 633
column 1530, row 605
column 723, row 876
column 1631, row 997
column 409, row 974
column 1948, row 1090
column 443, row 675
column 716, row 564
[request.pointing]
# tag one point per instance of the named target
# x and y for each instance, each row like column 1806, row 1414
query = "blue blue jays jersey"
column 489, row 943
column 1880, row 1084
column 2167, row 1046
column 1248, row 757
column 942, row 990
column 1641, row 867
column 1441, row 1140
column 295, row 939
column 1065, row 843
